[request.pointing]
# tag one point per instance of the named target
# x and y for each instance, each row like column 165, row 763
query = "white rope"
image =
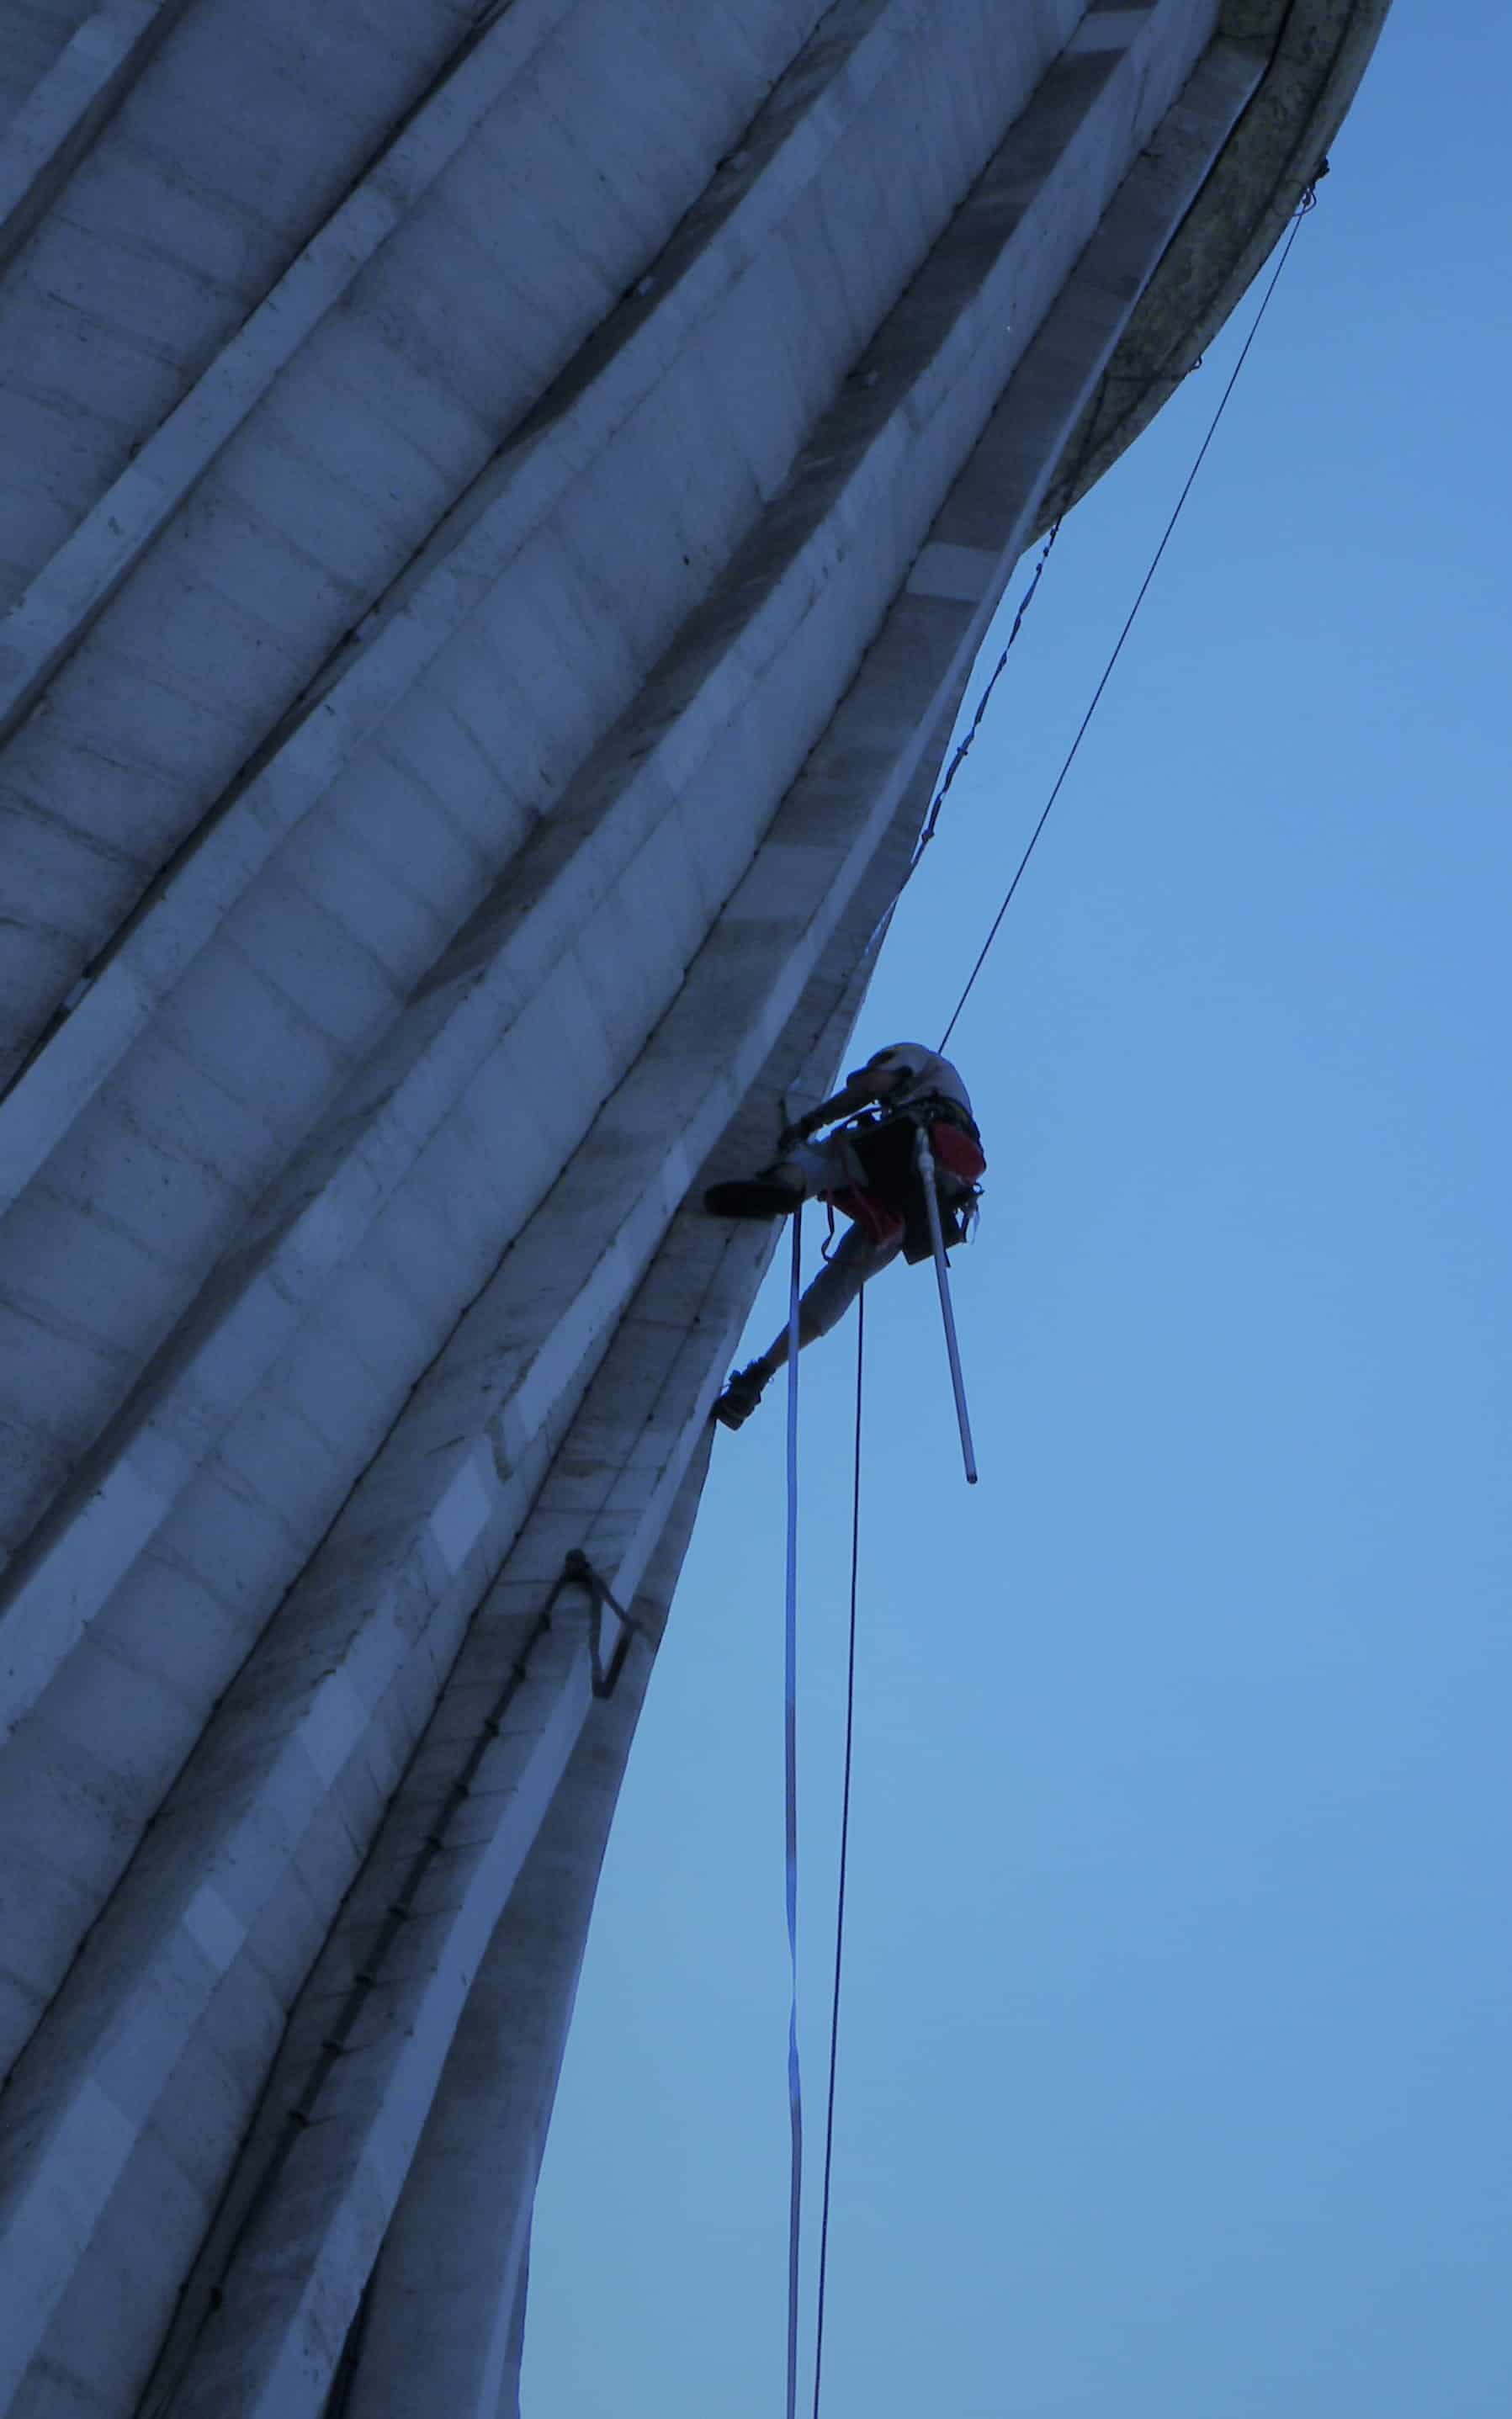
column 790, row 1728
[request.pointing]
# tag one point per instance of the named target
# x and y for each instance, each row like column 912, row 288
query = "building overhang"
column 1317, row 51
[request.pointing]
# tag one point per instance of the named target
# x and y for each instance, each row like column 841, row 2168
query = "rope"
column 794, row 2091
column 965, row 750
column 791, row 1801
column 1133, row 609
column 932, row 821
column 844, row 1857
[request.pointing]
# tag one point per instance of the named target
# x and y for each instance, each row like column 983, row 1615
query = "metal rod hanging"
column 926, row 1171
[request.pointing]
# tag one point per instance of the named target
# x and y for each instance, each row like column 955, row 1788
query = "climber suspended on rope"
column 868, row 1170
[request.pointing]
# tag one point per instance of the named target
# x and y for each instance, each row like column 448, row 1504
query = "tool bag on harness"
column 892, row 1200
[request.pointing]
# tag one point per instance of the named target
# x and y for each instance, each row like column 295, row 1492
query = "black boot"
column 741, row 1395
column 751, row 1197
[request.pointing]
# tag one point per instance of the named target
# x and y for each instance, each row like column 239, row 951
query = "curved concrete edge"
column 932, row 633
column 1058, row 371
column 286, row 2307
column 935, row 365
column 368, row 1603
column 469, row 554
column 87, row 2086
column 617, row 1485
column 262, row 2322
column 403, row 632
column 446, row 2304
column 1318, row 56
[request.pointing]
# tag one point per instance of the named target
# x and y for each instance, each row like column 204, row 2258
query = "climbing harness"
column 886, row 1204
column 790, row 1687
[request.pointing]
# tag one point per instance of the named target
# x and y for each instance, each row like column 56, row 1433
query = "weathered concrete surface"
column 1314, row 59
column 443, row 2317
column 496, row 537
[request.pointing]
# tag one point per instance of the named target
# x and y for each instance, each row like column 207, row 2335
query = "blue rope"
column 791, row 1729
column 982, row 703
column 844, row 1862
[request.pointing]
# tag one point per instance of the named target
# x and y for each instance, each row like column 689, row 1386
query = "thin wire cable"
column 1132, row 614
column 925, row 837
column 790, row 1727
column 932, row 821
column 845, row 1859
column 1047, row 548
column 982, row 703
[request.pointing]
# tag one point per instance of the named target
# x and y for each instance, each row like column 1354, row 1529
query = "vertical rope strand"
column 845, row 1859
column 790, row 1799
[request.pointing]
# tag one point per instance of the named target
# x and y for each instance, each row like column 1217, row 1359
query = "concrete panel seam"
column 540, row 924
column 58, row 607
column 109, row 1014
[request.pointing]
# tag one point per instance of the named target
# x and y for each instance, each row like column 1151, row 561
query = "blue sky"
column 1175, row 2052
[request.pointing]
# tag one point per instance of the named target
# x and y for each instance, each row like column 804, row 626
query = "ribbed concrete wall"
column 497, row 509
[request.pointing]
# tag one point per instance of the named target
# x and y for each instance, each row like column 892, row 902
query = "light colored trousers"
column 829, row 1167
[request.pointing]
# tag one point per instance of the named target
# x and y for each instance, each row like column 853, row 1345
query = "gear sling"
column 900, row 1155
column 892, row 1197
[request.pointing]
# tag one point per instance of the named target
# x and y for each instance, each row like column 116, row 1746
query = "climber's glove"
column 791, row 1136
